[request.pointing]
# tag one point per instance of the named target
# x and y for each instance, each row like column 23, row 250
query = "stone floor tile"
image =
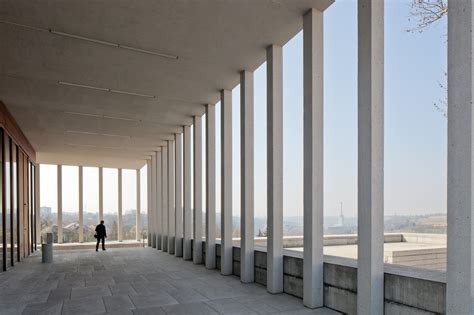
column 122, row 288
column 84, row 306
column 58, row 295
column 43, row 309
column 186, row 295
column 149, row 311
column 98, row 291
column 117, row 302
column 199, row 308
column 154, row 299
column 229, row 306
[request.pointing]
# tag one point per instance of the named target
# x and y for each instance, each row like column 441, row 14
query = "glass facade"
column 17, row 200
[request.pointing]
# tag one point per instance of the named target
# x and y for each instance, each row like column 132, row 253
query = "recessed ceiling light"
column 104, row 89
column 92, row 40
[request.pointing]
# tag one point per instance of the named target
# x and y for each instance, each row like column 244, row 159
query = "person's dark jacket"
column 100, row 231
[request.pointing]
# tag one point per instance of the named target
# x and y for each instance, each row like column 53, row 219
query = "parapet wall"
column 408, row 290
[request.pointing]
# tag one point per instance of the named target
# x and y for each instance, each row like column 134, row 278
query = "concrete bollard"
column 47, row 249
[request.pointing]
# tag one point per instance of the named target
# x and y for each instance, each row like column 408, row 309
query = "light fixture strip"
column 81, row 145
column 103, row 42
column 96, row 134
column 120, row 118
column 92, row 40
column 83, row 86
column 104, row 89
column 103, row 116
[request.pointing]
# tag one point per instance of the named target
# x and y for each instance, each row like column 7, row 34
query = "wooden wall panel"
column 13, row 129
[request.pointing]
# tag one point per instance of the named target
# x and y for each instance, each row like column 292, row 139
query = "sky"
column 415, row 132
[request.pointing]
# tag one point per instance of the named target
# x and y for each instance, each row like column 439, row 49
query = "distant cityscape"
column 91, row 219
column 292, row 225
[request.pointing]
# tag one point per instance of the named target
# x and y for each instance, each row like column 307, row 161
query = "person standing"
column 100, row 235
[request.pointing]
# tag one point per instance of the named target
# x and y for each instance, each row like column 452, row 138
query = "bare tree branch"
column 426, row 13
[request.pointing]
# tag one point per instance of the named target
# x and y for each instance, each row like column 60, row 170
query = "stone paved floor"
column 133, row 281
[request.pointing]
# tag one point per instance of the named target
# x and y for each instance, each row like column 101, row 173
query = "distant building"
column 45, row 211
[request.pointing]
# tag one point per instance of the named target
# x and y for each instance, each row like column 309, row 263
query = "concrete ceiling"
column 213, row 40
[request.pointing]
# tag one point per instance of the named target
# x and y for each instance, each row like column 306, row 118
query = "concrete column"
column 211, row 186
column 187, row 220
column 226, row 182
column 138, row 219
column 37, row 204
column 275, row 169
column 178, row 251
column 370, row 288
column 460, row 267
column 197, row 193
column 164, row 194
column 247, row 177
column 171, row 201
column 120, row 218
column 313, row 285
column 148, row 189
column 159, row 201
column 81, row 205
column 60, row 204
column 101, row 194
column 153, row 212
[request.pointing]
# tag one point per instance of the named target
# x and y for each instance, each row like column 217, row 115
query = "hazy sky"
column 415, row 132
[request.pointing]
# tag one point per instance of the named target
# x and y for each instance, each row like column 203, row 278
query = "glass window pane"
column 143, row 202
column 129, row 204
column 70, row 189
column 111, row 202
column 8, row 221
column 90, row 202
column 15, row 216
column 49, row 201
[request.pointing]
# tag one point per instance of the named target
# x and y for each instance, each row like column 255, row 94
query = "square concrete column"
column 60, row 204
column 247, row 177
column 153, row 212
column 138, row 218
column 197, row 193
column 171, row 196
column 159, row 201
column 460, row 267
column 120, row 218
column 81, row 205
column 164, row 194
column 370, row 274
column 275, row 169
column 226, row 182
column 188, row 215
column 211, row 186
column 148, row 194
column 178, row 250
column 313, row 286
column 101, row 194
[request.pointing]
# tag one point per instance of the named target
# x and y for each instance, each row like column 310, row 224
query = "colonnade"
column 370, row 273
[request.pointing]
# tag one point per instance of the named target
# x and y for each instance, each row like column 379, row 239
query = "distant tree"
column 263, row 233
column 426, row 13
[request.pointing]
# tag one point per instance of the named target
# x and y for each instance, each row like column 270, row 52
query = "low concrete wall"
column 91, row 245
column 329, row 240
column 407, row 290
